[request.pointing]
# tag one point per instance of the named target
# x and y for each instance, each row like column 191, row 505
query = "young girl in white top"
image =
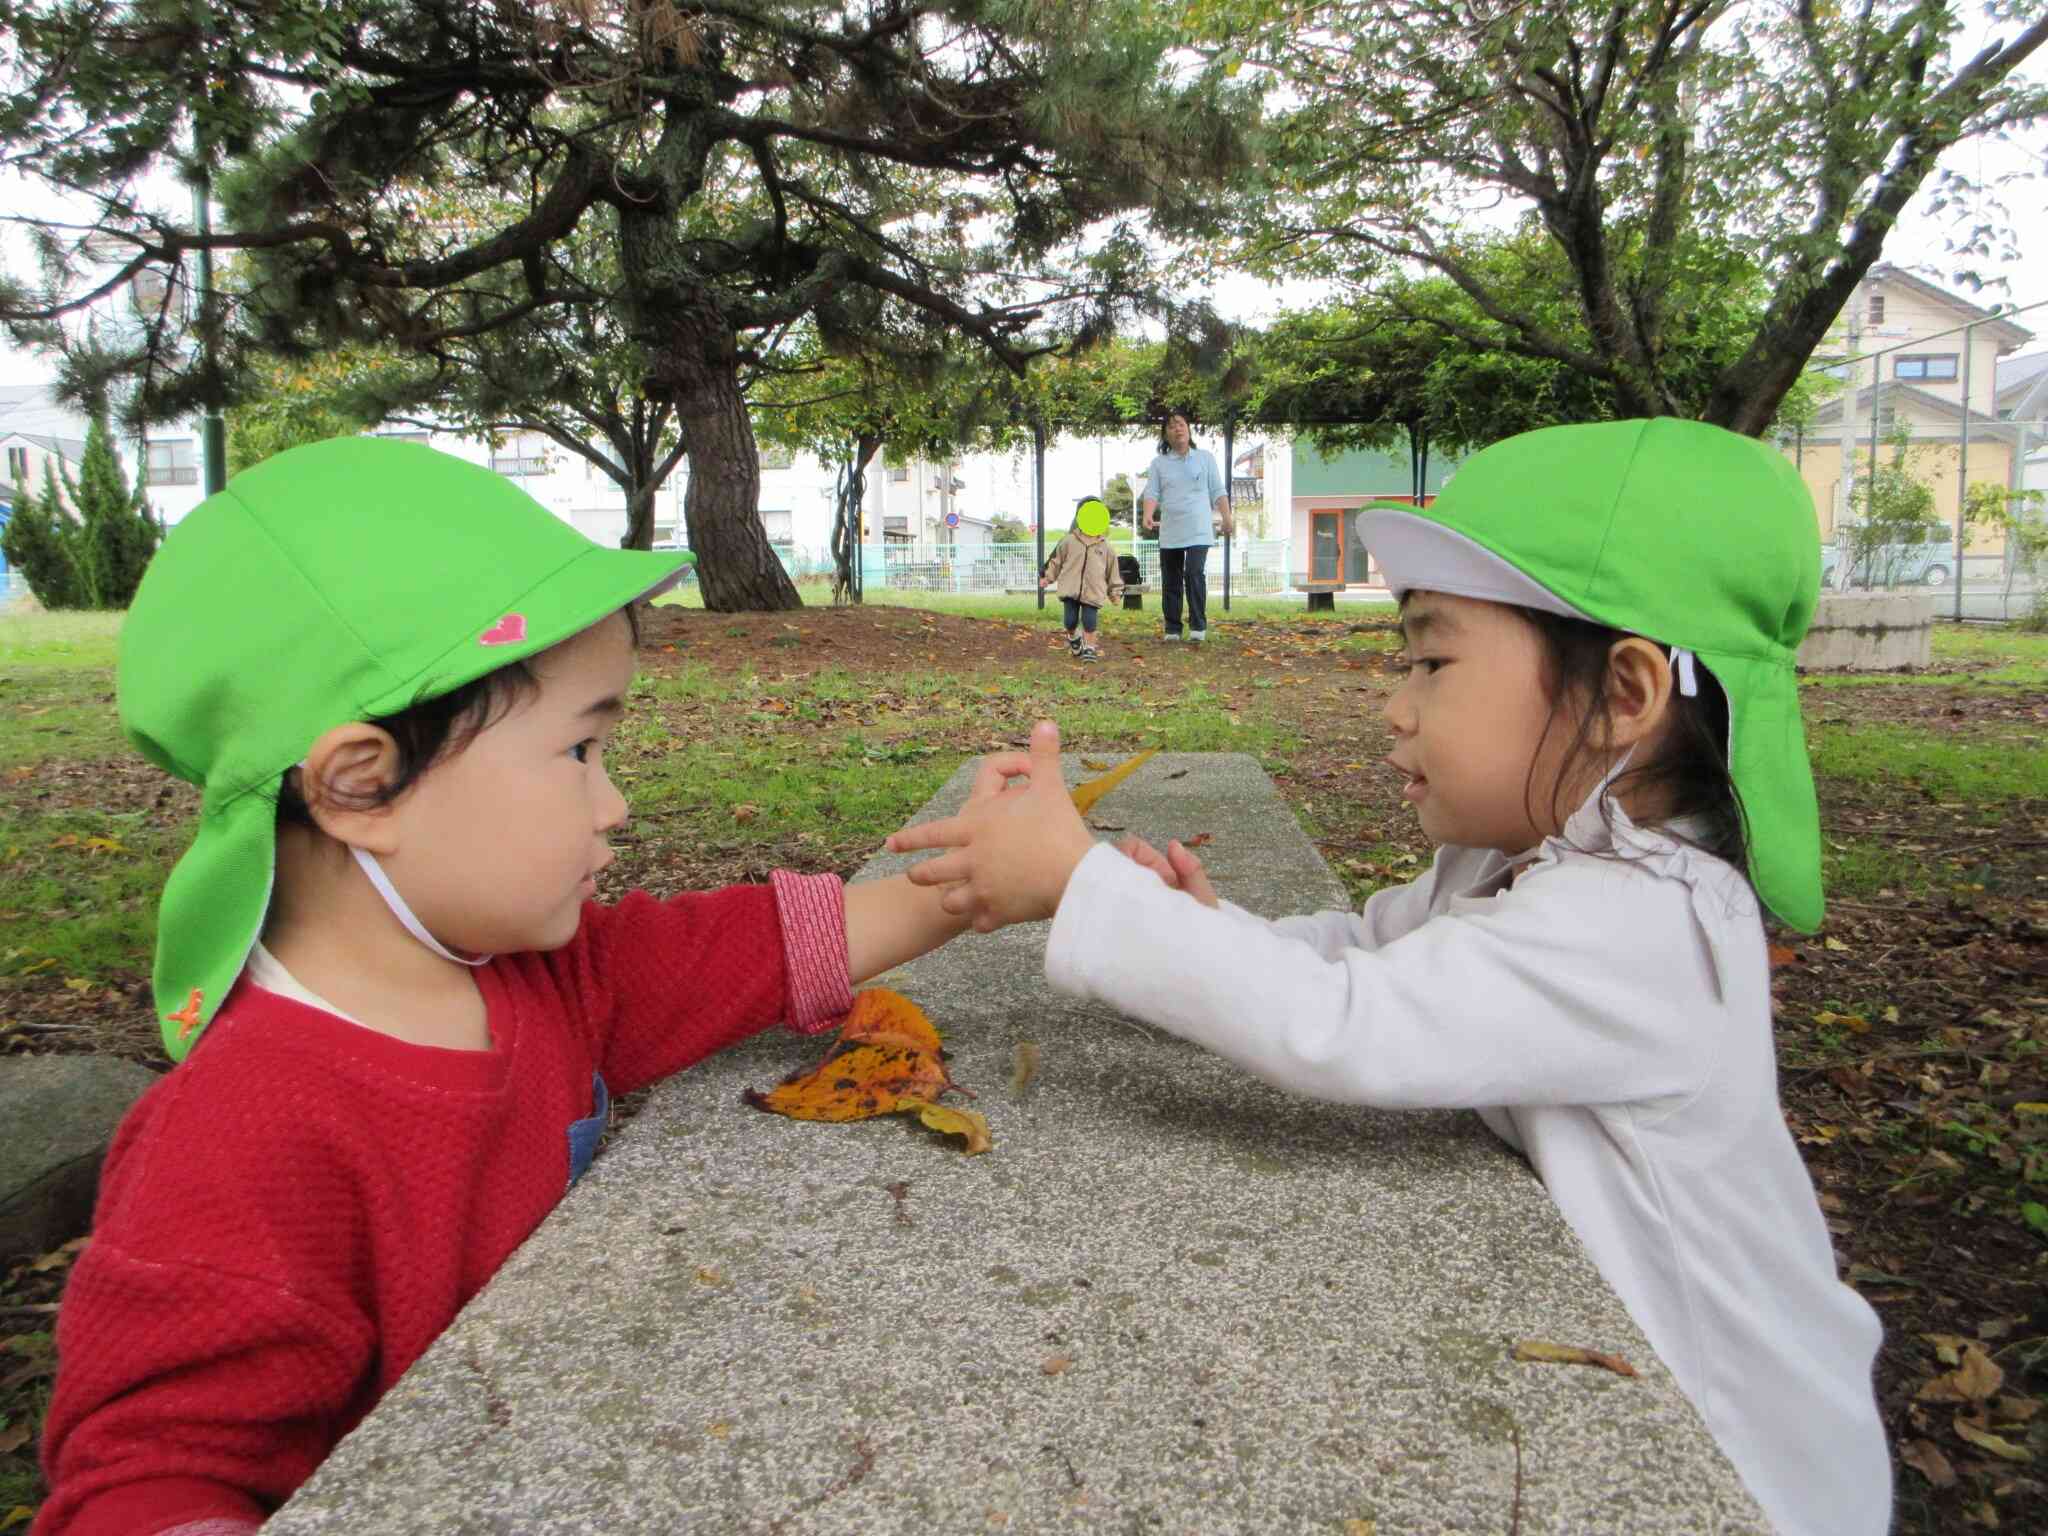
column 1600, row 724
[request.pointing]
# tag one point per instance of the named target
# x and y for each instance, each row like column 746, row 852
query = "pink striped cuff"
column 213, row 1525
column 813, row 913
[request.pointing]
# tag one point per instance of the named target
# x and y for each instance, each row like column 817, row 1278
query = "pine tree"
column 36, row 544
column 115, row 536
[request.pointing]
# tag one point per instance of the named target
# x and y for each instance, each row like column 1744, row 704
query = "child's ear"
column 340, row 781
column 1638, row 689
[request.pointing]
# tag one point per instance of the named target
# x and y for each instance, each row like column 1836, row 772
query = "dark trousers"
column 1078, row 612
column 1185, row 568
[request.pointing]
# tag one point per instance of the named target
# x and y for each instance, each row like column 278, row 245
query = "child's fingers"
column 951, row 832
column 1193, row 878
column 944, row 870
column 1143, row 854
column 992, row 775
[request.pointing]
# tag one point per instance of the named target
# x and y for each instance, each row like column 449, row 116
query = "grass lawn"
column 1912, row 1029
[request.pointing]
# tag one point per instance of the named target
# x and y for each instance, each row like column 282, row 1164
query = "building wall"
column 1934, row 464
column 1909, row 315
column 1349, row 480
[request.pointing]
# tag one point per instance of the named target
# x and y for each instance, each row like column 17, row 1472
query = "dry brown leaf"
column 1975, row 1380
column 1544, row 1351
column 1093, row 766
column 2014, row 1410
column 1948, row 1347
column 1925, row 1457
column 58, row 1257
column 1984, row 1440
column 1023, row 1067
column 1056, row 1364
column 13, row 1437
column 745, row 812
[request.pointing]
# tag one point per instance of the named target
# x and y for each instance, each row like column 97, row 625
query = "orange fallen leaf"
column 745, row 812
column 1056, row 1364
column 1570, row 1354
column 1781, row 955
column 1199, row 840
column 886, row 1061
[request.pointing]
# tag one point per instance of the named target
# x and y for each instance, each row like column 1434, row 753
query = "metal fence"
column 1256, row 566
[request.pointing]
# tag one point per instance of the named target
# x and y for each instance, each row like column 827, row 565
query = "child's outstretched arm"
column 894, row 920
column 1012, row 847
column 897, row 919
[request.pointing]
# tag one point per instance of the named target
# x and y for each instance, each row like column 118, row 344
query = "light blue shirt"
column 1186, row 486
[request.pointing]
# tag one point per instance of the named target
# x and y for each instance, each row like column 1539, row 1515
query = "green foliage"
column 1642, row 136
column 36, row 542
column 91, row 553
column 115, row 536
column 1119, row 497
column 1011, row 530
column 289, row 404
column 1893, row 509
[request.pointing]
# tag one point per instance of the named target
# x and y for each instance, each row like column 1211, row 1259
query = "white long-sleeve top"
column 1609, row 1017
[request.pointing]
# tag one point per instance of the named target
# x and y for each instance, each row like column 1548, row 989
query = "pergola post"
column 1038, row 500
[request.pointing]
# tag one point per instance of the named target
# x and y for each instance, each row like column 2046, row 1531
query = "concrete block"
column 1869, row 632
column 1170, row 1299
column 60, row 1113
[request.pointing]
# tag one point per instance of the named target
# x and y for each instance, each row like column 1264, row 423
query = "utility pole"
column 213, row 436
column 1845, row 482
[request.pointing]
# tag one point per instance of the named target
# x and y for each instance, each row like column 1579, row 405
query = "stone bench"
column 1170, row 1299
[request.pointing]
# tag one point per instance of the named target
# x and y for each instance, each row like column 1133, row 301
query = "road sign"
column 952, row 519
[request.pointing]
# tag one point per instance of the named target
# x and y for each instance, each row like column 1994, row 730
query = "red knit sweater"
column 291, row 1216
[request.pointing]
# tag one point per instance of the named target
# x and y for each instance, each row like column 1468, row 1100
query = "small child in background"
column 1600, row 727
column 399, row 1013
column 1085, row 567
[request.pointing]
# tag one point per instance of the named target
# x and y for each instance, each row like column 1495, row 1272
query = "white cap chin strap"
column 404, row 913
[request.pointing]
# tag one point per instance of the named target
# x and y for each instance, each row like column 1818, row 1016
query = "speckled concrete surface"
column 1169, row 1300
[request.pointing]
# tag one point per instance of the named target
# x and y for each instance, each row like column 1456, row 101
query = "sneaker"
column 1089, row 653
column 1073, row 645
column 1197, row 636
column 1173, row 637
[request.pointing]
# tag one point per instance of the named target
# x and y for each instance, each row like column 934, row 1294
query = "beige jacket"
column 1085, row 568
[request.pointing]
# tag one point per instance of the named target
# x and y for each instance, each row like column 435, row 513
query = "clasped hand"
column 1014, row 845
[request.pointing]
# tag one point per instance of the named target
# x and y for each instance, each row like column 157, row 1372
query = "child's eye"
column 581, row 751
column 1426, row 665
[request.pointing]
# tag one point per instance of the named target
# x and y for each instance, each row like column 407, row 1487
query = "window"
column 1877, row 309
column 899, row 473
column 17, row 466
column 780, row 526
column 777, row 458
column 1928, row 365
column 170, row 461
column 521, row 453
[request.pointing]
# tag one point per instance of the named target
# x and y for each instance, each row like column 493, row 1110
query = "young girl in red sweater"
column 399, row 1013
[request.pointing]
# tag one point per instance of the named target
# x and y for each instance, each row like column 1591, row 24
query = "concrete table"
column 1171, row 1299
